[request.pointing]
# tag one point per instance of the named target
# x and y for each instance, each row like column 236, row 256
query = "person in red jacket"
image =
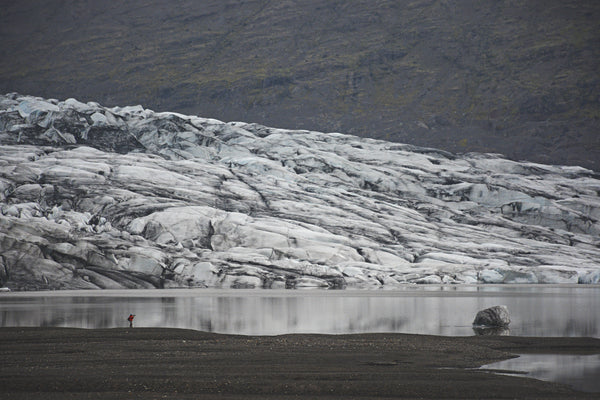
column 130, row 319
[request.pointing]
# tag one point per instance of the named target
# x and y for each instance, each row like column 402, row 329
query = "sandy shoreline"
column 149, row 363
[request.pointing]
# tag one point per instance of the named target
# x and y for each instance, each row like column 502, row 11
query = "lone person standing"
column 130, row 319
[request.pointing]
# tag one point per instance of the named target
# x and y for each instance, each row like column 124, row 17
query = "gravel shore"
column 148, row 363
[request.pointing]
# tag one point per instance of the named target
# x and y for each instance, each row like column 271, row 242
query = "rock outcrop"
column 493, row 317
column 96, row 197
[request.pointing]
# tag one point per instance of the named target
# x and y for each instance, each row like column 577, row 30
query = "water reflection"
column 554, row 311
column 580, row 372
column 492, row 331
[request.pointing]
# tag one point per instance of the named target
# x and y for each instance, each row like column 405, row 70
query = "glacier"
column 125, row 197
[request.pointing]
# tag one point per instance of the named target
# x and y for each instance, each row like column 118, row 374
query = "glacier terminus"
column 125, row 197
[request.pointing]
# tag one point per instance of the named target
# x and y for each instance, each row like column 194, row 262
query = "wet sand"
column 149, row 363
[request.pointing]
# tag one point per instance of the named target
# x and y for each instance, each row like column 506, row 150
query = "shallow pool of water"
column 582, row 372
column 535, row 310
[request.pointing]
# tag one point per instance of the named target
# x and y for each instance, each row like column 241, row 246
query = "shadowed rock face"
column 492, row 321
column 493, row 317
column 96, row 197
column 519, row 78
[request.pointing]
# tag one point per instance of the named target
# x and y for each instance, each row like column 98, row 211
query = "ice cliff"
column 124, row 197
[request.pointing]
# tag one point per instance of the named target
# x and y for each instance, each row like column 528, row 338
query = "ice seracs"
column 97, row 197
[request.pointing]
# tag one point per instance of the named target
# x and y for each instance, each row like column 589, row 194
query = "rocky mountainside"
column 97, row 197
column 521, row 78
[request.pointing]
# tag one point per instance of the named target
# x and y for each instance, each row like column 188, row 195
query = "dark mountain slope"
column 520, row 78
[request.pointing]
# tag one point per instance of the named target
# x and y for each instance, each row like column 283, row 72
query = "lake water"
column 535, row 310
column 579, row 371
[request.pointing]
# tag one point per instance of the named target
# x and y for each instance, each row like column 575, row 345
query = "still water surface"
column 448, row 310
column 579, row 371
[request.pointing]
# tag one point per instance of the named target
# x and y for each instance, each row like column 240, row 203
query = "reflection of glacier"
column 558, row 311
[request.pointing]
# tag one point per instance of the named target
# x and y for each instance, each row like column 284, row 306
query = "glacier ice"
column 123, row 197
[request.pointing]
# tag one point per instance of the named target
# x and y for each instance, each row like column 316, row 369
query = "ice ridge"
column 124, row 197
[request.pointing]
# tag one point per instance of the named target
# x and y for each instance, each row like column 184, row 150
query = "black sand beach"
column 148, row 363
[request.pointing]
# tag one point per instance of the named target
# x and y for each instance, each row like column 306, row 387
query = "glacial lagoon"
column 535, row 310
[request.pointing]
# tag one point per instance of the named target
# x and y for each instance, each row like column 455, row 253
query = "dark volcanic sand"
column 143, row 363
